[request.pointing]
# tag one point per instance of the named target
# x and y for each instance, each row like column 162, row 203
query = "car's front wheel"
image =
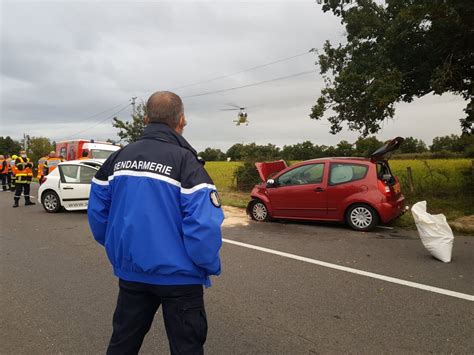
column 50, row 201
column 258, row 211
column 362, row 217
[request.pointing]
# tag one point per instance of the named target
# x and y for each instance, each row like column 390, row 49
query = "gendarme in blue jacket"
column 156, row 210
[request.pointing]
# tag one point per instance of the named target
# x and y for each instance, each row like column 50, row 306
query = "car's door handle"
column 319, row 189
column 68, row 188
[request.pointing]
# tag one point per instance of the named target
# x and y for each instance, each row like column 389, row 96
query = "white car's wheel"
column 362, row 217
column 50, row 201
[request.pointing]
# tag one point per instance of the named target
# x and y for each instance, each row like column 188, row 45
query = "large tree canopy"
column 396, row 50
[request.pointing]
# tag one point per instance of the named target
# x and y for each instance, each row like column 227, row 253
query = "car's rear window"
column 345, row 172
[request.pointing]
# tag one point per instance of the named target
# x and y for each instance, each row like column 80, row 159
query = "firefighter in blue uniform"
column 157, row 212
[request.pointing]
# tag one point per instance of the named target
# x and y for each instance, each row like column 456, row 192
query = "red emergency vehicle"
column 73, row 149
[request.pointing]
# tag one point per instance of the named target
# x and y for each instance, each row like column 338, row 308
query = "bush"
column 246, row 176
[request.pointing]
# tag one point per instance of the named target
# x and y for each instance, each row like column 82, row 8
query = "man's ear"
column 146, row 120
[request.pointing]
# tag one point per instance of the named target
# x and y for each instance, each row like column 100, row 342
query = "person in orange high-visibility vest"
column 40, row 172
column 23, row 170
column 3, row 172
column 12, row 174
column 51, row 163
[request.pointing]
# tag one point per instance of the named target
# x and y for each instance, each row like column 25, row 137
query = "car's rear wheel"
column 362, row 217
column 50, row 201
column 258, row 211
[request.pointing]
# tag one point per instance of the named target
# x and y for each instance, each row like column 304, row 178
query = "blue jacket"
column 156, row 210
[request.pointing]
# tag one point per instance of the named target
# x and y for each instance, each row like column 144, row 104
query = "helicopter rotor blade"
column 229, row 109
column 233, row 105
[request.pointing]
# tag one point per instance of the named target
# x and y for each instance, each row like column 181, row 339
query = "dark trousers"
column 183, row 313
column 9, row 179
column 3, row 179
column 19, row 187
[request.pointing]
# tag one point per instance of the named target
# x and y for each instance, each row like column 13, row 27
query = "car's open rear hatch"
column 267, row 169
column 388, row 147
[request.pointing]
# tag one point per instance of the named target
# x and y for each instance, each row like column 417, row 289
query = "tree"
column 9, row 146
column 467, row 141
column 327, row 151
column 344, row 149
column 210, row 154
column 253, row 152
column 304, row 151
column 413, row 145
column 396, row 51
column 445, row 143
column 287, row 152
column 38, row 147
column 453, row 143
column 132, row 130
column 366, row 146
column 236, row 152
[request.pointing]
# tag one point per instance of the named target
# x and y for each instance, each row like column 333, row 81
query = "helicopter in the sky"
column 241, row 116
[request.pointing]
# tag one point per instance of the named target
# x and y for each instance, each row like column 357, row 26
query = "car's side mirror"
column 271, row 183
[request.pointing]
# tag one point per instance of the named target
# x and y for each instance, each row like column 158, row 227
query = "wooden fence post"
column 410, row 179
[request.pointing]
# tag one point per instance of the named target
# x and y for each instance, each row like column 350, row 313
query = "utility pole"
column 133, row 104
column 25, row 143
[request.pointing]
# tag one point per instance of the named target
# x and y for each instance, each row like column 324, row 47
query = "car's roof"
column 88, row 162
column 337, row 159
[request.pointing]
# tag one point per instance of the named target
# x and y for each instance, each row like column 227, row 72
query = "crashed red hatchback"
column 361, row 192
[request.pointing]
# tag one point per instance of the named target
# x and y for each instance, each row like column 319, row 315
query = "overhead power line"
column 101, row 112
column 99, row 122
column 249, row 85
column 205, row 93
column 242, row 71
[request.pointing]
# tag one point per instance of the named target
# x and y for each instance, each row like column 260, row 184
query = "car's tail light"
column 384, row 188
column 42, row 180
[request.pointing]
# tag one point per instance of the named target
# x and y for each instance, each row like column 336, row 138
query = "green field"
column 222, row 174
column 446, row 184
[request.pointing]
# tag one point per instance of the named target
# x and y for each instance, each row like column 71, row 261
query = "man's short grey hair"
column 165, row 107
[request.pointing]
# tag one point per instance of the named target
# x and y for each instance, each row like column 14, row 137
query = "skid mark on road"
column 463, row 296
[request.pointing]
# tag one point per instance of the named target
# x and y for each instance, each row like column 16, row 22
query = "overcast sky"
column 62, row 63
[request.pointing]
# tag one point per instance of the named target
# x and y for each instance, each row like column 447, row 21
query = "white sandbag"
column 435, row 232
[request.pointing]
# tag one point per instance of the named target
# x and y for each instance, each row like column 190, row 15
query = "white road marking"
column 394, row 280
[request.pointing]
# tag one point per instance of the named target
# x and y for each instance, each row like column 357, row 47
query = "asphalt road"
column 58, row 292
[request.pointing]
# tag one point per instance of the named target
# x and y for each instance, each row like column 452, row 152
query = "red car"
column 361, row 192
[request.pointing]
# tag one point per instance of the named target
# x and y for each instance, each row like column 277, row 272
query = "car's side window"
column 69, row 173
column 86, row 174
column 303, row 175
column 342, row 173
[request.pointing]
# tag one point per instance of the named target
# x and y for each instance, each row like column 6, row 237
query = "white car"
column 68, row 185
